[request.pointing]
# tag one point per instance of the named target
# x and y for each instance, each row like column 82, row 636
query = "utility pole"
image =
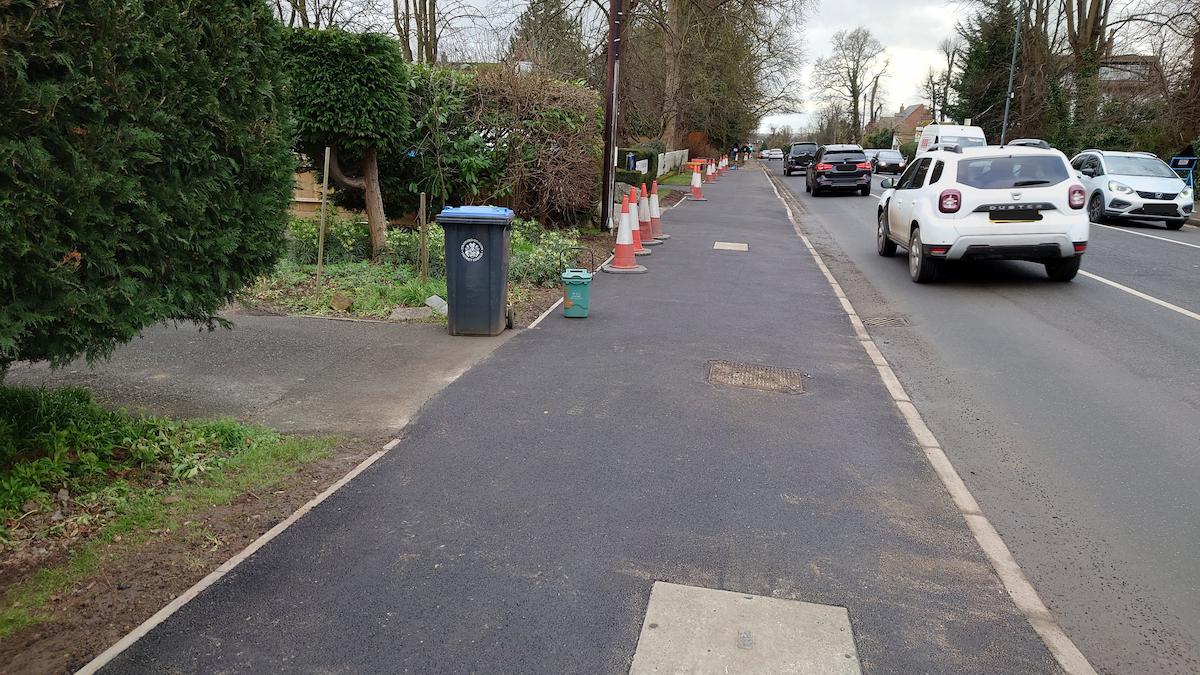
column 615, row 22
column 1012, row 71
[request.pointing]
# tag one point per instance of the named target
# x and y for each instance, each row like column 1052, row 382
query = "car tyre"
column 787, row 173
column 807, row 186
column 1096, row 209
column 921, row 267
column 864, row 191
column 883, row 244
column 1175, row 224
column 1063, row 269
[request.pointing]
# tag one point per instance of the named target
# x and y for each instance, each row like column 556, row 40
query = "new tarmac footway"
column 713, row 426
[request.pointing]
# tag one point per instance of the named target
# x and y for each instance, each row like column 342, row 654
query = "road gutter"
column 1022, row 592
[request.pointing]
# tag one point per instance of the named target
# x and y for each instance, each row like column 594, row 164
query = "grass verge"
column 81, row 485
column 675, row 178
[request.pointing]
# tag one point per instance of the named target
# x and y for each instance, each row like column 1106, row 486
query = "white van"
column 951, row 134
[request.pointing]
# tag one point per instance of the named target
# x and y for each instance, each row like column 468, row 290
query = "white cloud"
column 910, row 32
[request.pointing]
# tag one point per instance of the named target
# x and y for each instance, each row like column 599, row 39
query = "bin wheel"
column 510, row 317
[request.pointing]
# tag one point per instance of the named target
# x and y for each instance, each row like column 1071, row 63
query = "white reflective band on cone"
column 624, row 232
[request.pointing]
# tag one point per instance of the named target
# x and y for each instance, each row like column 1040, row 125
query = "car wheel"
column 1096, row 209
column 807, row 186
column 864, row 191
column 787, row 173
column 1175, row 224
column 1063, row 269
column 883, row 245
column 921, row 267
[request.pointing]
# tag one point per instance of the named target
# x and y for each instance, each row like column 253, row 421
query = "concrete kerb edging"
column 1023, row 594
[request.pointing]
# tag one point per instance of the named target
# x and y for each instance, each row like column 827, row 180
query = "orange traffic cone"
column 656, row 214
column 638, row 248
column 623, row 254
column 644, row 222
column 697, row 193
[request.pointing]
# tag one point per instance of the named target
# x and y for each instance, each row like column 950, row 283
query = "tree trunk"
column 373, row 196
column 1192, row 96
column 670, row 132
column 368, row 182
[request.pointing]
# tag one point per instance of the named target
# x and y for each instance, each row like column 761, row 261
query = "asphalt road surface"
column 532, row 505
column 1071, row 410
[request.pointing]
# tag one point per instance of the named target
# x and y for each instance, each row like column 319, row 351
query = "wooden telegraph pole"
column 615, row 22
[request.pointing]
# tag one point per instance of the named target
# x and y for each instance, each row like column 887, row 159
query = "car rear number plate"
column 1015, row 216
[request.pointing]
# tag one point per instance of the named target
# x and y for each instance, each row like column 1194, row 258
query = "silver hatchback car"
column 1133, row 186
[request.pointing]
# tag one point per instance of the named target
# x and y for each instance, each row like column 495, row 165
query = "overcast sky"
column 910, row 30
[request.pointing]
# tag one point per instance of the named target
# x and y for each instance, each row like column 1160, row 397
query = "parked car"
column 950, row 134
column 1133, row 186
column 889, row 161
column 985, row 203
column 799, row 156
column 839, row 167
column 773, row 153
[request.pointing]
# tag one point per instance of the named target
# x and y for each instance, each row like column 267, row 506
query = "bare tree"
column 844, row 75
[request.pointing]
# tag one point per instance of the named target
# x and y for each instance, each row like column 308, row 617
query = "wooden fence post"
column 321, row 235
column 424, row 226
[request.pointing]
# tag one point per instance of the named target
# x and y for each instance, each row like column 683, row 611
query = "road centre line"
column 1138, row 294
column 1151, row 236
column 1023, row 594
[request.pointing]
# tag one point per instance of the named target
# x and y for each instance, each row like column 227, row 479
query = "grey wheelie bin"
column 477, row 268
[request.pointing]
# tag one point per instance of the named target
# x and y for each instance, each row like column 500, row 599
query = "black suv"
column 839, row 167
column 799, row 156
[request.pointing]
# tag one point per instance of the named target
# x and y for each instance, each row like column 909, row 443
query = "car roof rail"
column 1145, row 153
column 947, row 147
column 1099, row 152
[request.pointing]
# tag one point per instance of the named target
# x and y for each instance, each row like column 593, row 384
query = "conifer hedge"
column 145, row 166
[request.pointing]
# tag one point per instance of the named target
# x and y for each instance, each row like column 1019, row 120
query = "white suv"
column 1133, row 185
column 985, row 203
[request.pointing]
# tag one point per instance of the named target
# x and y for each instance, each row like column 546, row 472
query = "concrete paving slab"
column 712, row 632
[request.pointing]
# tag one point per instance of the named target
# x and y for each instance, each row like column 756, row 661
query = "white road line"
column 187, row 596
column 1138, row 294
column 1023, row 594
column 1150, row 236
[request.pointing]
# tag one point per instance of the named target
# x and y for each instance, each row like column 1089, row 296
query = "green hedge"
column 145, row 167
column 648, row 154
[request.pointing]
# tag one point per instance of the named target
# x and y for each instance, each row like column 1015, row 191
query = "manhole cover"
column 885, row 321
column 753, row 376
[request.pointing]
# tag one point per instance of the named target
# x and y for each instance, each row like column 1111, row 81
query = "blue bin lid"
column 476, row 215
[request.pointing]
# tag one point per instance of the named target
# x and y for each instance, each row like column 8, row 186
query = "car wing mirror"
column 888, row 183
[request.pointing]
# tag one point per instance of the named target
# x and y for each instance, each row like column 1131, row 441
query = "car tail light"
column 1080, row 246
column 863, row 165
column 950, row 201
column 1078, row 197
column 939, row 250
column 824, row 167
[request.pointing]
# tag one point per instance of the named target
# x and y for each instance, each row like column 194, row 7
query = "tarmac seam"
column 1023, row 594
column 190, row 594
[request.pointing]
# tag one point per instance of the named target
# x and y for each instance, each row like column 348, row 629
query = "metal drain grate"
column 885, row 321
column 752, row 376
